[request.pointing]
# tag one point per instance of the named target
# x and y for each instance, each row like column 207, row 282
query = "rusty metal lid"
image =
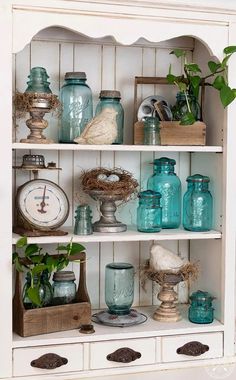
column 110, row 94
column 64, row 276
column 75, row 75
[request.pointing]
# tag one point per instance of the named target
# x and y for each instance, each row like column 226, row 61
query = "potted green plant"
column 36, row 263
column 190, row 82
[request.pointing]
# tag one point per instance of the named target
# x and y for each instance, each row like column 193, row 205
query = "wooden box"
column 174, row 134
column 53, row 318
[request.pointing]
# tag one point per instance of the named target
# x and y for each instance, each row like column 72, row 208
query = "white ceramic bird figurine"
column 102, row 129
column 162, row 259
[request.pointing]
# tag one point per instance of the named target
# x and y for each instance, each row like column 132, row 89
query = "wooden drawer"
column 171, row 344
column 22, row 357
column 148, row 348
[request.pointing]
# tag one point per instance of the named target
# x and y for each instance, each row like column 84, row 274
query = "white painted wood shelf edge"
column 120, row 148
column 130, row 235
column 150, row 328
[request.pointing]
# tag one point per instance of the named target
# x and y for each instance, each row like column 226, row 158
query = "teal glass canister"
column 152, row 131
column 167, row 183
column 38, row 81
column 119, row 287
column 197, row 204
column 180, row 108
column 64, row 287
column 201, row 310
column 77, row 106
column 149, row 212
column 111, row 99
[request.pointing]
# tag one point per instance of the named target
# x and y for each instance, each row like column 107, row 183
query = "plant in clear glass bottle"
column 39, row 266
column 187, row 108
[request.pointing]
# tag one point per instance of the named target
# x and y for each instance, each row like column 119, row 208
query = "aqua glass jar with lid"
column 152, row 131
column 111, row 99
column 165, row 181
column 64, row 287
column 201, row 310
column 197, row 204
column 77, row 106
column 149, row 211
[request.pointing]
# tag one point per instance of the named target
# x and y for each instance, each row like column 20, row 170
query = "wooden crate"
column 174, row 134
column 53, row 318
column 171, row 132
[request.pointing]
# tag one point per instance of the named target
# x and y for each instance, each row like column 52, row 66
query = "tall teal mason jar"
column 119, row 287
column 167, row 183
column 149, row 211
column 77, row 106
column 111, row 99
column 197, row 204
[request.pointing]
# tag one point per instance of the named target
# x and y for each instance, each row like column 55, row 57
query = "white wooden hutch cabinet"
column 114, row 41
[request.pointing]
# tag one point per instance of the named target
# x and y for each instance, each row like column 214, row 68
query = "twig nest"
column 24, row 102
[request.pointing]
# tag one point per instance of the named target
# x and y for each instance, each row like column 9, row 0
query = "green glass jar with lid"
column 111, row 99
column 201, row 310
column 64, row 287
column 149, row 211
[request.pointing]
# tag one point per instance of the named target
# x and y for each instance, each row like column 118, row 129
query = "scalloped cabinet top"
column 125, row 21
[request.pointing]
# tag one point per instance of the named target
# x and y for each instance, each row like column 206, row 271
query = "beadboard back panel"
column 108, row 66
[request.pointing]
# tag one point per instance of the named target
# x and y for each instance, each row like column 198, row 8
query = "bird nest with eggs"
column 115, row 182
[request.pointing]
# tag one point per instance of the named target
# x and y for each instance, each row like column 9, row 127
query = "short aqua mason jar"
column 111, row 99
column 119, row 287
column 64, row 287
column 197, row 204
column 77, row 106
column 152, row 131
column 167, row 183
column 201, row 310
column 149, row 212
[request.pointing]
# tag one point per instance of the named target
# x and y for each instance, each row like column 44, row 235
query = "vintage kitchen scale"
column 41, row 205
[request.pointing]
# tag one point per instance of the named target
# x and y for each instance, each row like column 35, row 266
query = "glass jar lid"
column 200, row 295
column 198, row 178
column 120, row 265
column 164, row 161
column 64, row 276
column 75, row 75
column 110, row 94
column 149, row 194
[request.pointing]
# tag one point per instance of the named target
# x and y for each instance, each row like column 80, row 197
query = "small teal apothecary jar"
column 201, row 310
column 38, row 81
column 119, row 287
column 197, row 204
column 83, row 220
column 167, row 183
column 64, row 287
column 152, row 131
column 111, row 99
column 77, row 106
column 149, row 211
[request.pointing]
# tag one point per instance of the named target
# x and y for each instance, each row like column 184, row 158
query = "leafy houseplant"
column 35, row 263
column 189, row 83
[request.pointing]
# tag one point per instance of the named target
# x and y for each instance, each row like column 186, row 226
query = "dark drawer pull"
column 193, row 349
column 49, row 361
column 124, row 355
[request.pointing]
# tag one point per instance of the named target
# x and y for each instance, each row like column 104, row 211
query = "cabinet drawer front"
column 212, row 345
column 22, row 358
column 100, row 350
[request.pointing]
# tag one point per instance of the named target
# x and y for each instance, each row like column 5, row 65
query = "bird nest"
column 23, row 102
column 125, row 187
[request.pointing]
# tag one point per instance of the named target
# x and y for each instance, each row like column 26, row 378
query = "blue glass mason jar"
column 152, row 131
column 167, row 183
column 38, row 81
column 45, row 290
column 111, row 99
column 77, row 106
column 64, row 287
column 180, row 108
column 149, row 211
column 119, row 287
column 201, row 310
column 197, row 204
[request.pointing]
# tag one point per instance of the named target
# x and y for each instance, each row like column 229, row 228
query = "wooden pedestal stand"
column 37, row 124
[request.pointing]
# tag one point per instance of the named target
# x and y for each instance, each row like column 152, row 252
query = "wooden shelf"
column 130, row 235
column 118, row 148
column 148, row 329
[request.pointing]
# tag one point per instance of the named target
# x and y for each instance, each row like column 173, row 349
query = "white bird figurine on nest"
column 162, row 259
column 102, row 129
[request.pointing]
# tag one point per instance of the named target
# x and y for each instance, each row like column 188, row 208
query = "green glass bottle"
column 201, row 310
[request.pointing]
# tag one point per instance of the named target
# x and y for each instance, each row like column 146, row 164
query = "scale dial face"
column 43, row 204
